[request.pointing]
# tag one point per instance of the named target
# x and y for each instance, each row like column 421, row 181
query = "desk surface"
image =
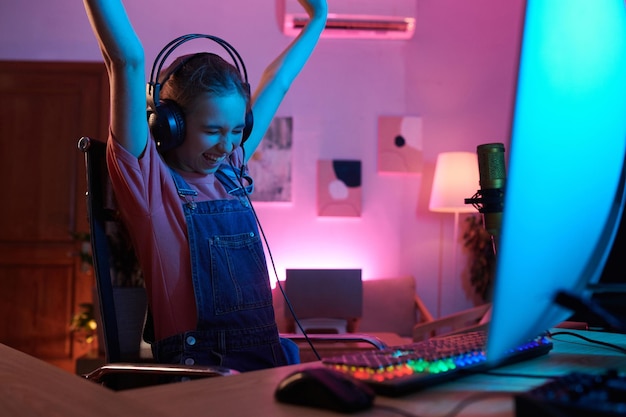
column 30, row 387
column 252, row 393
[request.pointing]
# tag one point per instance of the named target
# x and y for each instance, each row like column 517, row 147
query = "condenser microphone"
column 489, row 200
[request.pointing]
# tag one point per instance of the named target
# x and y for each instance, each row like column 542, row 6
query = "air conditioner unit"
column 371, row 19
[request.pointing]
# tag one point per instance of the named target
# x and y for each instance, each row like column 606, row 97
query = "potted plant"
column 83, row 323
column 481, row 259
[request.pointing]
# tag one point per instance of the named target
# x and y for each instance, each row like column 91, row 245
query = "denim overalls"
column 236, row 327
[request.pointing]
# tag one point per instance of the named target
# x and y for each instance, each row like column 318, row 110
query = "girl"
column 179, row 178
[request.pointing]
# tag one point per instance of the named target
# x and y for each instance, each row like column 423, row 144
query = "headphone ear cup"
column 167, row 125
column 249, row 123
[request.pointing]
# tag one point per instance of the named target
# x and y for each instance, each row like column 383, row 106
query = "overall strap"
column 184, row 190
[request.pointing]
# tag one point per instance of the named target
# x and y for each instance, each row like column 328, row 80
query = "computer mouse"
column 323, row 387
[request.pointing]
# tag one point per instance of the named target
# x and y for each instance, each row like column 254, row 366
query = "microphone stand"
column 489, row 202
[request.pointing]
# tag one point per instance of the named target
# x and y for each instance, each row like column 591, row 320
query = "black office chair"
column 124, row 368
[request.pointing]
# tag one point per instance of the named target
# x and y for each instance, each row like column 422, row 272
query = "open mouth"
column 212, row 158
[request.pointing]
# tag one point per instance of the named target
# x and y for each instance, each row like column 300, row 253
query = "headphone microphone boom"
column 489, row 200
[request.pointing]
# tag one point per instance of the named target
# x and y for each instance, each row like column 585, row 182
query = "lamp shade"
column 456, row 178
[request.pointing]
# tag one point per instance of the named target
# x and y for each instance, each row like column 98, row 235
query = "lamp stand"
column 454, row 263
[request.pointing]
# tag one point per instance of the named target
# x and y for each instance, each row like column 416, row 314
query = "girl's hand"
column 315, row 7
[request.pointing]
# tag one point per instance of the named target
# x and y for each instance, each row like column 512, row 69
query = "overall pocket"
column 238, row 273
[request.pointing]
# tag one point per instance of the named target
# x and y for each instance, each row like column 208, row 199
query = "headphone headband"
column 162, row 56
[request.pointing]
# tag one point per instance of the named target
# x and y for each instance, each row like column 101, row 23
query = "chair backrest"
column 119, row 342
column 390, row 304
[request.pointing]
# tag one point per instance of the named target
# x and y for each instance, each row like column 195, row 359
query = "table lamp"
column 456, row 178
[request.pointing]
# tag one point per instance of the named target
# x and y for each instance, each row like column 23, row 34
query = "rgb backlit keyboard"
column 402, row 369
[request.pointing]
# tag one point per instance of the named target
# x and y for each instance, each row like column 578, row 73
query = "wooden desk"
column 30, row 387
column 251, row 394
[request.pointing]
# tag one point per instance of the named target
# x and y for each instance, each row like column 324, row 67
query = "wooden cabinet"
column 45, row 107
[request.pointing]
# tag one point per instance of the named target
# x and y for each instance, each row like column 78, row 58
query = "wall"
column 457, row 73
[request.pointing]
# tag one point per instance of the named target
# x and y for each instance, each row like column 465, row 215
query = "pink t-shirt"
column 152, row 211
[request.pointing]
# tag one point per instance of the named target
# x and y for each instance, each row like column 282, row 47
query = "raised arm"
column 280, row 74
column 124, row 59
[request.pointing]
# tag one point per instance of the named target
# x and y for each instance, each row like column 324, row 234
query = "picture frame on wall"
column 400, row 144
column 339, row 190
column 270, row 165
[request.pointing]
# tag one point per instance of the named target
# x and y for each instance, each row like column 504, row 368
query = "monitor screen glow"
column 565, row 181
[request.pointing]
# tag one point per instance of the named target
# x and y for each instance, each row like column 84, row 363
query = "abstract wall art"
column 339, row 188
column 400, row 144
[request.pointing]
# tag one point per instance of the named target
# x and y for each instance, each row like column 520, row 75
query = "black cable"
column 587, row 339
column 551, row 335
column 517, row 375
column 395, row 410
column 459, row 407
column 269, row 252
column 474, row 398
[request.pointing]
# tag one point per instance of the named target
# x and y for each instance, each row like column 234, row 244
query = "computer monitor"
column 565, row 184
